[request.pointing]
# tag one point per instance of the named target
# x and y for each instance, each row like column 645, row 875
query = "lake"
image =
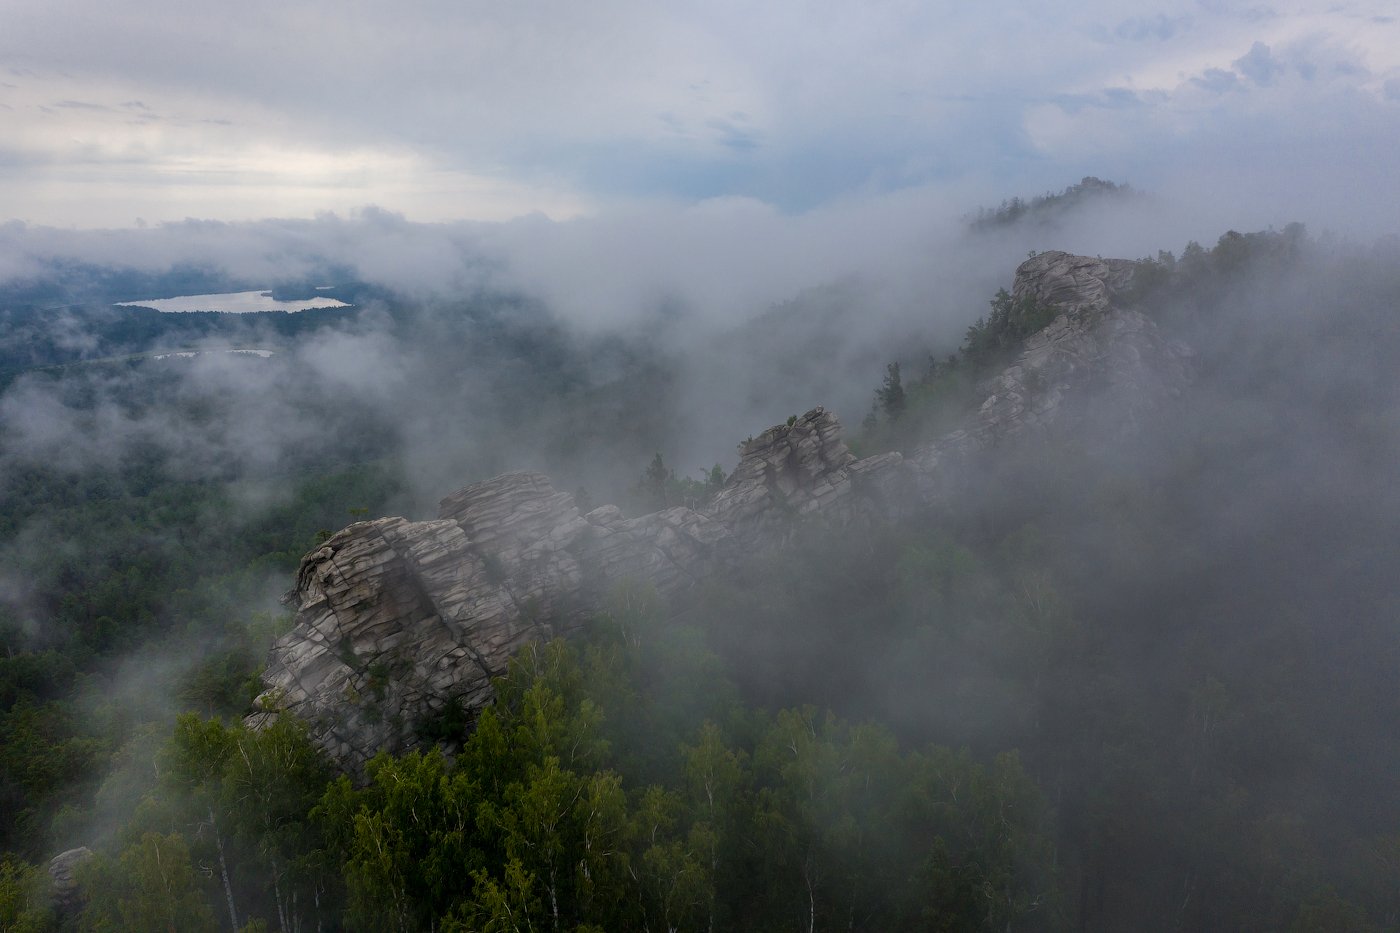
column 191, row 354
column 233, row 303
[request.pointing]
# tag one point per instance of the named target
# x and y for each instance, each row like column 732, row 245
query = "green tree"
column 24, row 893
column 248, row 794
column 993, row 858
column 717, row 782
column 151, row 888
column 271, row 780
column 405, row 841
column 825, row 806
column 674, row 874
column 890, row 396
column 193, row 763
column 654, row 485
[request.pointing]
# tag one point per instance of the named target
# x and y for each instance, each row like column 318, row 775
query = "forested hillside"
column 1133, row 676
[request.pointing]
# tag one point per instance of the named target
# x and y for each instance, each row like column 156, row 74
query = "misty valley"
column 1003, row 586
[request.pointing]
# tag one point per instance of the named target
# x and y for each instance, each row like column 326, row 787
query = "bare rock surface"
column 1098, row 360
column 397, row 621
column 63, row 881
column 1081, row 286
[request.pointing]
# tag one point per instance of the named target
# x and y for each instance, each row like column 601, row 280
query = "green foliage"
column 225, row 681
column 403, row 841
column 941, row 398
column 448, row 726
column 890, row 396
column 1047, row 209
column 243, row 798
column 118, row 559
column 47, row 762
column 553, row 817
column 24, row 897
column 991, row 339
column 659, row 488
column 152, row 887
column 1202, row 713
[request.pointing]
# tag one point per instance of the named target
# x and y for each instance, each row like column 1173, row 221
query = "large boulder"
column 64, row 889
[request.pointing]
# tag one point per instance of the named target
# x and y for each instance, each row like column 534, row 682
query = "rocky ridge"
column 399, row 624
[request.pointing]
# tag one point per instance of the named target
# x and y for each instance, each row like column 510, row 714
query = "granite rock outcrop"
column 1098, row 359
column 401, row 623
column 64, row 891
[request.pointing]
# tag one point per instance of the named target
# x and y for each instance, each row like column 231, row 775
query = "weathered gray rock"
column 63, row 874
column 1099, row 360
column 397, row 619
column 1081, row 286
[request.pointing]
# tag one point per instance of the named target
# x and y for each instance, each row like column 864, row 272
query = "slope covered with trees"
column 1127, row 680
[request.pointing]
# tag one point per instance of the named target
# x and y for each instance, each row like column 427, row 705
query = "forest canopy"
column 1125, row 681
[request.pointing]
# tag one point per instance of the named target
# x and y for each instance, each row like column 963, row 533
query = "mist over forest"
column 1139, row 672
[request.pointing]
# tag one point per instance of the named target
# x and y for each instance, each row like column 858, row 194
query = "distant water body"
column 191, row 354
column 233, row 303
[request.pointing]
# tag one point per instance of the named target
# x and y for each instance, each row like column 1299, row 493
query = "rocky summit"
column 401, row 624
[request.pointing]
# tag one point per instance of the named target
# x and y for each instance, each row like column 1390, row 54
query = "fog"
column 1183, row 627
column 576, row 237
column 755, row 312
column 681, row 329
column 579, row 348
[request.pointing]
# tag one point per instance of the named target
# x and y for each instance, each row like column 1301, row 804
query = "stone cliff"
column 398, row 621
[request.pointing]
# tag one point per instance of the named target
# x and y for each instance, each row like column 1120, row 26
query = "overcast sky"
column 156, row 110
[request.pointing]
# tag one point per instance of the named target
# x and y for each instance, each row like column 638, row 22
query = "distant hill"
column 1048, row 209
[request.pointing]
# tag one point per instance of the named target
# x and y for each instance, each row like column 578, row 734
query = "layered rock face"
column 397, row 620
column 400, row 623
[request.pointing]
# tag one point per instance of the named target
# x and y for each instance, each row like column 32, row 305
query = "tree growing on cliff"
column 890, row 396
column 660, row 488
